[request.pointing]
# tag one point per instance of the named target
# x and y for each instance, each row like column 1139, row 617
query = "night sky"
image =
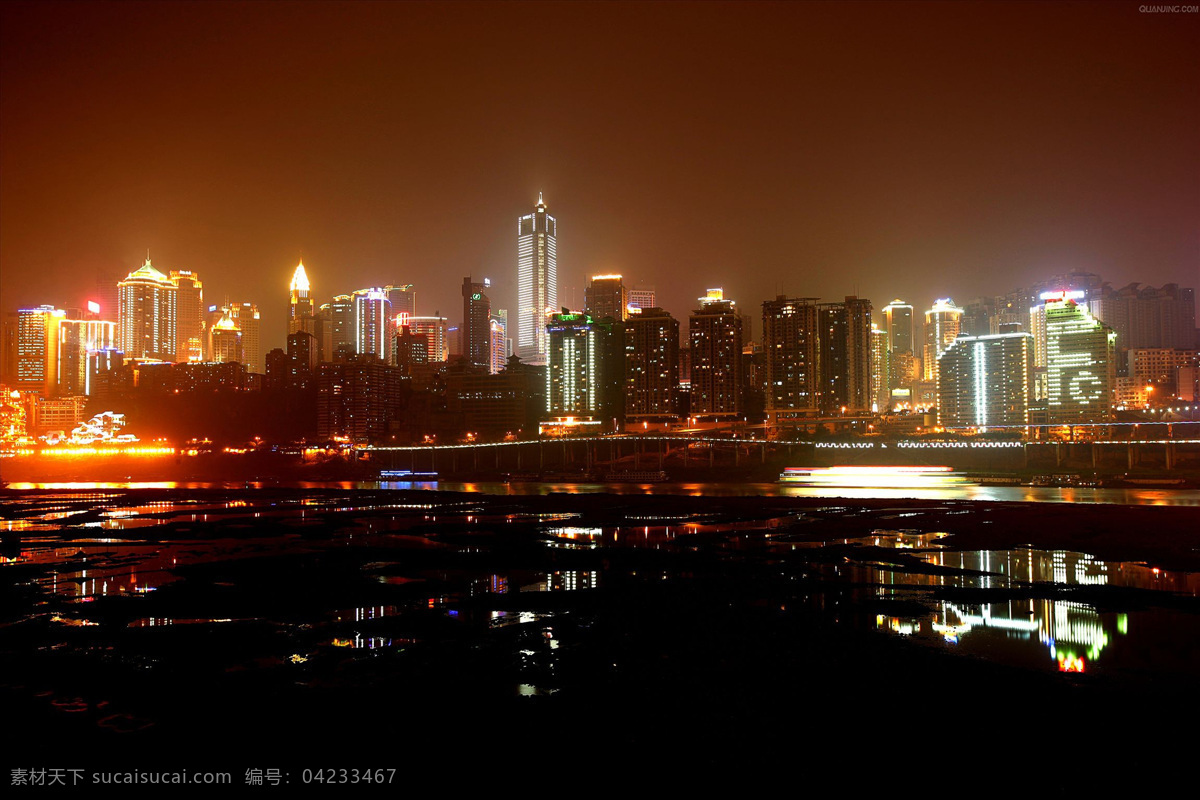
column 920, row 150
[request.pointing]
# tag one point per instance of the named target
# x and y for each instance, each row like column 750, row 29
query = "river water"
column 1000, row 494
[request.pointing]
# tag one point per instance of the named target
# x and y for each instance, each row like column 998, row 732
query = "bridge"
column 686, row 453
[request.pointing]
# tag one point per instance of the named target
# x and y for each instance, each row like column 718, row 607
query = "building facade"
column 476, row 329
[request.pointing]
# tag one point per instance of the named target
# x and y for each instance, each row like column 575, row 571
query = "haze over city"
column 914, row 150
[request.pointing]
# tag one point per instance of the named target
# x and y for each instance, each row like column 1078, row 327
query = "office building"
column 373, row 323
column 476, row 330
column 146, row 314
column 880, row 370
column 573, row 381
column 227, row 341
column 537, row 282
column 301, row 311
column 605, row 297
column 37, row 349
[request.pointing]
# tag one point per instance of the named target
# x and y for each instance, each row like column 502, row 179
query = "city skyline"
column 1024, row 184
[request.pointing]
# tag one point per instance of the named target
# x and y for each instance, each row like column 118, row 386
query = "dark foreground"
column 468, row 638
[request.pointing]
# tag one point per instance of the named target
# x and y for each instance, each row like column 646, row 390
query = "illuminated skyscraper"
column 227, row 341
column 715, row 338
column 573, row 380
column 497, row 344
column 1080, row 364
column 898, row 324
column 248, row 320
column 76, row 340
column 476, row 329
column 435, row 331
column 985, row 381
column 373, row 323
column 189, row 315
column 537, row 282
column 146, row 314
column 37, row 349
column 942, row 325
column 302, row 314
column 604, row 297
column 880, row 369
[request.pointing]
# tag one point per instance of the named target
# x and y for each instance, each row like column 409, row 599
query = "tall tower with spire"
column 537, row 281
column 302, row 313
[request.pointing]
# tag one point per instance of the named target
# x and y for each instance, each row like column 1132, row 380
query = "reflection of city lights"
column 903, row 477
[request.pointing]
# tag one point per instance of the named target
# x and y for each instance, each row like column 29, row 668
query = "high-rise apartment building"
column 985, row 381
column 476, row 329
column 651, row 366
column 715, row 343
column 605, row 297
column 338, row 328
column 537, row 282
column 791, row 349
column 1080, row 364
column 844, row 331
column 146, row 314
column 189, row 315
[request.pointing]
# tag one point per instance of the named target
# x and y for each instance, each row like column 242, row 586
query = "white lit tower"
column 537, row 281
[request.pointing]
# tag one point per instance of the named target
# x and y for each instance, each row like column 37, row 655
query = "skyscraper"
column 146, row 314
column 537, row 282
column 651, row 366
column 880, row 369
column 791, row 347
column 604, row 297
column 985, row 381
column 76, row 340
column 942, row 325
column 435, row 330
column 37, row 349
column 476, row 330
column 715, row 337
column 189, row 319
column 845, row 360
column 338, row 341
column 1080, row 364
column 301, row 311
column 227, row 341
column 898, row 327
column 373, row 323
